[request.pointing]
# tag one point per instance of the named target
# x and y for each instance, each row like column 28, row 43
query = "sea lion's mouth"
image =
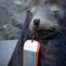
column 40, row 29
column 48, row 34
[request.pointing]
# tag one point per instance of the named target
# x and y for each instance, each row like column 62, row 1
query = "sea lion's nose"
column 36, row 22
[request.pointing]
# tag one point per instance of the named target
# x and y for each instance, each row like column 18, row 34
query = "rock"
column 18, row 19
column 12, row 16
column 11, row 32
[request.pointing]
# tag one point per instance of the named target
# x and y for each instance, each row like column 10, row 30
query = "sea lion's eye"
column 55, row 10
column 55, row 13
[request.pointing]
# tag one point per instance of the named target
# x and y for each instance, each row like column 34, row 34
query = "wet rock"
column 18, row 19
column 12, row 16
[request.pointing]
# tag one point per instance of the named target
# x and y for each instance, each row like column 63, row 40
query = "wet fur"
column 52, row 52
